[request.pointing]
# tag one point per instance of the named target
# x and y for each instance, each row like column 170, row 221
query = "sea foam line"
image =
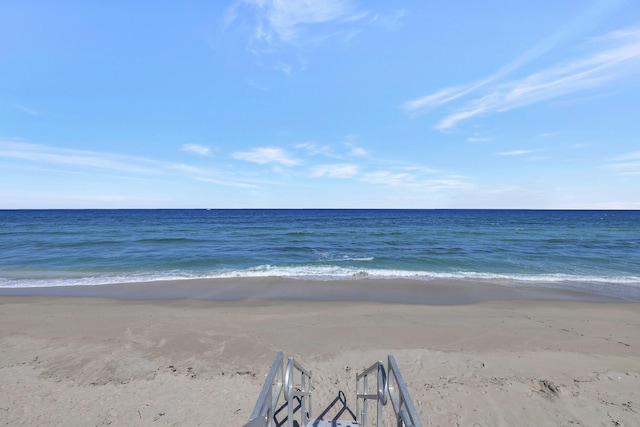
column 313, row 272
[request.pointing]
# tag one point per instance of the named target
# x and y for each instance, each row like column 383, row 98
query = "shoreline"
column 436, row 292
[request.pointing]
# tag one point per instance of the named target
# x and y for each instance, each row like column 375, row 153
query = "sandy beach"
column 96, row 361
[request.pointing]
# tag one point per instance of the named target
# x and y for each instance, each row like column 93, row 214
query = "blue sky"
column 328, row 104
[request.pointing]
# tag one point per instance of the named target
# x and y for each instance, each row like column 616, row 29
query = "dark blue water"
column 594, row 249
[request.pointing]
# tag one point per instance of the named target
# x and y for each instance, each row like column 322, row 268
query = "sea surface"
column 598, row 251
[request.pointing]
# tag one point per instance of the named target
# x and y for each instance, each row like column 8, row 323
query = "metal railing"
column 283, row 381
column 278, row 382
column 363, row 393
column 392, row 387
column 263, row 412
column 406, row 414
column 300, row 391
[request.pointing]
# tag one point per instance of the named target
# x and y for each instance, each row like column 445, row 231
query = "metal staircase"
column 294, row 384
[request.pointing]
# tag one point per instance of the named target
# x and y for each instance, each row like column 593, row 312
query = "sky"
column 320, row 104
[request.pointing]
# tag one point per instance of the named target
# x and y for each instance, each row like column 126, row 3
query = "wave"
column 329, row 256
column 324, row 272
column 312, row 273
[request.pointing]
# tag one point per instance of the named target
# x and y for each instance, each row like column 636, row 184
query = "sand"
column 93, row 361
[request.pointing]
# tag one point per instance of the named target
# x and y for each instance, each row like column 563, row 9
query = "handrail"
column 362, row 392
column 263, row 411
column 302, row 393
column 283, row 381
column 279, row 382
column 406, row 414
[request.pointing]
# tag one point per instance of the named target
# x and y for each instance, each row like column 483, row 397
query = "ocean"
column 596, row 251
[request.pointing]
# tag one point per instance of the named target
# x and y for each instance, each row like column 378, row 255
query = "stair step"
column 332, row 423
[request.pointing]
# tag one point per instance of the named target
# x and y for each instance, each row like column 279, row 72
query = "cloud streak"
column 84, row 161
column 616, row 55
column 515, row 152
column 628, row 164
column 77, row 158
column 344, row 170
column 416, row 181
column 289, row 22
column 196, row 148
column 265, row 155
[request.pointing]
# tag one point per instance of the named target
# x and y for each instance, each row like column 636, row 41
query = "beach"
column 123, row 356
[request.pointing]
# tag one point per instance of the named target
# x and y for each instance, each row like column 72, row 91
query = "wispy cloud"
column 393, row 179
column 447, row 95
column 336, row 151
column 77, row 158
column 196, row 148
column 420, row 105
column 358, row 151
column 414, row 180
column 479, row 139
column 314, row 149
column 627, row 164
column 421, row 169
column 27, row 110
column 227, row 183
column 105, row 164
column 515, row 152
column 188, row 169
column 629, row 156
column 264, row 155
column 289, row 21
column 389, row 22
column 585, row 21
column 354, row 149
column 613, row 56
column 344, row 170
column 281, row 33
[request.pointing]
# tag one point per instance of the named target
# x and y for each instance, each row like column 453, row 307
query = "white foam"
column 316, row 272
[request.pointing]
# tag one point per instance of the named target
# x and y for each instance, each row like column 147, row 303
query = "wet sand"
column 396, row 291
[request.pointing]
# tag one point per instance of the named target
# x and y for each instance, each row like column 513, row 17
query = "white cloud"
column 349, row 142
column 344, row 170
column 287, row 21
column 286, row 17
column 422, row 169
column 586, row 20
column 447, row 183
column 227, row 183
column 444, row 96
column 389, row 178
column 327, row 150
column 627, row 164
column 515, row 152
column 629, row 156
column 358, row 151
column 27, row 110
column 186, row 168
column 616, row 55
column 264, row 155
column 77, row 158
column 314, row 149
column 284, row 67
column 389, row 22
column 94, row 162
column 477, row 139
column 198, row 149
column 416, row 181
